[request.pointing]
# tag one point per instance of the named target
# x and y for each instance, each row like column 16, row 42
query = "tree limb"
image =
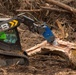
column 71, row 9
column 64, row 49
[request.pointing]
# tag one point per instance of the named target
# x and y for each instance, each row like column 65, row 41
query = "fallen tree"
column 65, row 49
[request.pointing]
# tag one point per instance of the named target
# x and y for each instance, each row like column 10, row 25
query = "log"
column 65, row 49
column 62, row 5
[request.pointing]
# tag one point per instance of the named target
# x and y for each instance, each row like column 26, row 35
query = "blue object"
column 48, row 34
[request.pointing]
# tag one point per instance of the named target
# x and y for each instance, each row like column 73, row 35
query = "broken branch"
column 67, row 7
column 55, row 9
column 64, row 49
column 33, row 10
column 59, row 24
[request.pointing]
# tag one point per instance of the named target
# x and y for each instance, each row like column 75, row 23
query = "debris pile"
column 57, row 14
column 60, row 15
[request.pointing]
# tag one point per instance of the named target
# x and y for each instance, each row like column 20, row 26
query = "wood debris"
column 61, row 28
column 65, row 49
column 54, row 9
column 62, row 5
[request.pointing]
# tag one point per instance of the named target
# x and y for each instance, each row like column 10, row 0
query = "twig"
column 4, row 19
column 34, row 10
column 4, row 15
column 54, row 9
column 59, row 24
column 67, row 7
column 4, row 71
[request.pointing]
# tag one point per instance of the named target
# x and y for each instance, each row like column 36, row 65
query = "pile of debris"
column 53, row 14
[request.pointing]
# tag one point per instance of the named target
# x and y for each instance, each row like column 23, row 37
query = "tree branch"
column 65, row 49
column 33, row 10
column 55, row 9
column 71, row 9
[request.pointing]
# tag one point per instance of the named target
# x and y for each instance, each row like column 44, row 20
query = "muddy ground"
column 47, row 64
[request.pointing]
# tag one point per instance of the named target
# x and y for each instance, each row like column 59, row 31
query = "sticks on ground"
column 64, row 49
column 71, row 9
column 33, row 10
column 61, row 28
column 43, row 8
column 54, row 9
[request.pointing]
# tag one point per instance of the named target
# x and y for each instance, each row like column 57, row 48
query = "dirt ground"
column 47, row 64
